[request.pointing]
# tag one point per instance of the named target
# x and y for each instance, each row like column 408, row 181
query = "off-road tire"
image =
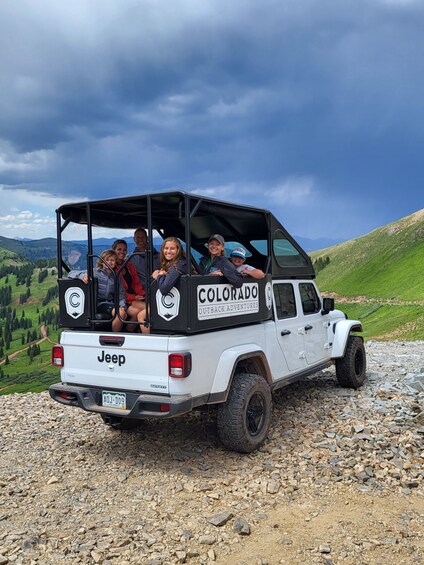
column 118, row 423
column 244, row 419
column 350, row 369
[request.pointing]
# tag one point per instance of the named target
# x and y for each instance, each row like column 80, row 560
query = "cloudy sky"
column 312, row 109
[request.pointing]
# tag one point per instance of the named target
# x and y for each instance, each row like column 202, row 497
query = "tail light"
column 179, row 365
column 57, row 356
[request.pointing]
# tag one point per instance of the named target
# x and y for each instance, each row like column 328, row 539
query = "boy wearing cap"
column 216, row 263
column 238, row 258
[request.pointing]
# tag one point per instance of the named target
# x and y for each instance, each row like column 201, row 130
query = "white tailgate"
column 139, row 363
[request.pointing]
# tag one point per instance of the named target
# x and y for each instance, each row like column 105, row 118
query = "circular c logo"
column 75, row 299
column 168, row 303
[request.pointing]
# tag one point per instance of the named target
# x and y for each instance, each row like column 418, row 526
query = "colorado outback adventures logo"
column 222, row 301
column 216, row 301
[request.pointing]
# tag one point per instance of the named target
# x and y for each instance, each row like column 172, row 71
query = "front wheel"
column 350, row 369
column 244, row 419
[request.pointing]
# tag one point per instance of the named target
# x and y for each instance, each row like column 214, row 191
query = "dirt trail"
column 45, row 337
column 370, row 300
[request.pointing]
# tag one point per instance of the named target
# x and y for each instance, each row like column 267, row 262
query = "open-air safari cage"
column 197, row 303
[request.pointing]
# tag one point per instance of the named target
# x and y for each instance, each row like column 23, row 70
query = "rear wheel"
column 118, row 423
column 244, row 419
column 350, row 370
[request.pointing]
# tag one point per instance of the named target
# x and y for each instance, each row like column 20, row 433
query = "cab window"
column 284, row 301
column 310, row 301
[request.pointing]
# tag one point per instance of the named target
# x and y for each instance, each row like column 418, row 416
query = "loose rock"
column 75, row 491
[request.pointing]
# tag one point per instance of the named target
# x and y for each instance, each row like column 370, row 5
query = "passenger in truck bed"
column 105, row 275
column 216, row 263
column 172, row 265
column 140, row 259
column 238, row 258
column 134, row 291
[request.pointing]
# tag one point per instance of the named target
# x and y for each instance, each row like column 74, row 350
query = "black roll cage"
column 192, row 218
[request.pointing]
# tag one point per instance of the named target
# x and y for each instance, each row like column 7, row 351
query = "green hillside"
column 379, row 278
column 28, row 312
column 9, row 258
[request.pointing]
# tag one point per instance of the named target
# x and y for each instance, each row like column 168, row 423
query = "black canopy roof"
column 194, row 218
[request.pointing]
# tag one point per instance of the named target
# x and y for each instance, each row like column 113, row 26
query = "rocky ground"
column 340, row 479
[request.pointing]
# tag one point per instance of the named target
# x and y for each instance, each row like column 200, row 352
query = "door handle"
column 286, row 332
column 308, row 327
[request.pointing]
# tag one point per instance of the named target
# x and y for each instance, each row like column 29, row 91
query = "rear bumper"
column 138, row 405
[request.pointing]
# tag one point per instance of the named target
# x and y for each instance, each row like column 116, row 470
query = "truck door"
column 314, row 324
column 287, row 323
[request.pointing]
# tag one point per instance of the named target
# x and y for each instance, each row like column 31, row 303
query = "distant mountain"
column 309, row 245
column 46, row 248
column 33, row 249
column 13, row 245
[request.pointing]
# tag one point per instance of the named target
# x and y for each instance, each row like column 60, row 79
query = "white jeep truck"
column 210, row 344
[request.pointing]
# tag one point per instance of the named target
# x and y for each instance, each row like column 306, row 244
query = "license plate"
column 114, row 399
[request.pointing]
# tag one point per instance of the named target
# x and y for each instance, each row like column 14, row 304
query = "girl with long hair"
column 172, row 265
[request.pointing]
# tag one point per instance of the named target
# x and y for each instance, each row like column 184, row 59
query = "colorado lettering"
column 220, row 301
column 225, row 293
column 114, row 358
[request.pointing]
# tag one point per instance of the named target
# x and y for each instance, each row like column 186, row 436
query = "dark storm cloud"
column 237, row 98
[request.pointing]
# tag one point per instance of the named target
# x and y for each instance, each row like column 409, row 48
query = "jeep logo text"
column 107, row 358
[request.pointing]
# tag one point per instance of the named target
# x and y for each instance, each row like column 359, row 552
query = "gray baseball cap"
column 218, row 238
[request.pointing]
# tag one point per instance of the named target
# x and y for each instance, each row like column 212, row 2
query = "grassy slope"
column 8, row 258
column 20, row 374
column 386, row 263
column 385, row 269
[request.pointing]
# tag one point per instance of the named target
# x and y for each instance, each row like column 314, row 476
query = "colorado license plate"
column 114, row 399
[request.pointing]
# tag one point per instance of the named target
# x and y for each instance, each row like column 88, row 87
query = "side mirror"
column 327, row 305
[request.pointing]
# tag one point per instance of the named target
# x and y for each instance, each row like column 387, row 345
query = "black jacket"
column 224, row 265
column 166, row 282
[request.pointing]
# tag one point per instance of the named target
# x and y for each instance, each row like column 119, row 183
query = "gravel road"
column 339, row 480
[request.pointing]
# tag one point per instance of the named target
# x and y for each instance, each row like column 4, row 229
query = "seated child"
column 104, row 272
column 238, row 258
